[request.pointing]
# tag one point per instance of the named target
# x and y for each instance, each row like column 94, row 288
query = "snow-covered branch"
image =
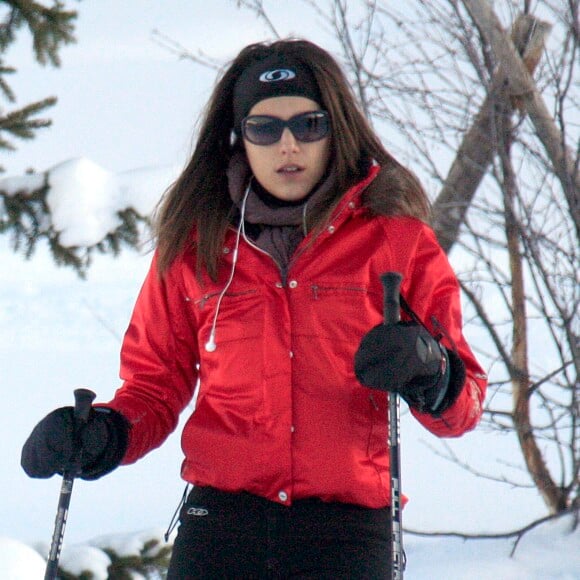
column 79, row 207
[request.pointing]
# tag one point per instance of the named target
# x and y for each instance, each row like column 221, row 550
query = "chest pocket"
column 338, row 312
column 234, row 316
column 231, row 377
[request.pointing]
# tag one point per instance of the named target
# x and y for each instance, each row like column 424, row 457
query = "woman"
column 264, row 305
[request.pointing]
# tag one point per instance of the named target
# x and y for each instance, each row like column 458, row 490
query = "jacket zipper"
column 201, row 302
column 284, row 272
column 315, row 289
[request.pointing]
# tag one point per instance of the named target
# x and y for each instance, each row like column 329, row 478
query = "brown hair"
column 199, row 199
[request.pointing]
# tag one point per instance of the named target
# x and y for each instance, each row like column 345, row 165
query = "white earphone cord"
column 211, row 344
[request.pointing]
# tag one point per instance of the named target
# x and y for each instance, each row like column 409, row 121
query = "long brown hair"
column 199, row 199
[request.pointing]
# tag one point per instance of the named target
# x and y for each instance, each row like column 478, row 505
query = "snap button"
column 331, row 229
column 351, row 205
column 278, row 284
column 293, row 284
column 283, row 496
column 226, row 250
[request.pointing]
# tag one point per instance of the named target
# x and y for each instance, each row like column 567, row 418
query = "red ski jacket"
column 278, row 410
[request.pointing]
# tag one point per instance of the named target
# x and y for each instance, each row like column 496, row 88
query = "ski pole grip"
column 391, row 286
column 83, row 402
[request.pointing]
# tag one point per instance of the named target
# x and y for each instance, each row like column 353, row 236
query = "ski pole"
column 391, row 284
column 83, row 402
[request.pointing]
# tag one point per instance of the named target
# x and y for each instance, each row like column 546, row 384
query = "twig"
column 517, row 534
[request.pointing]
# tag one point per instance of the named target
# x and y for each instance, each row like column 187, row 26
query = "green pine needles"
column 51, row 27
column 24, row 211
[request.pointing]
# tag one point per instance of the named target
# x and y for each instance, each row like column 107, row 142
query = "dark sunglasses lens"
column 262, row 130
column 310, row 126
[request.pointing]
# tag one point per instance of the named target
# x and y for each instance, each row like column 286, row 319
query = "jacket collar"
column 352, row 199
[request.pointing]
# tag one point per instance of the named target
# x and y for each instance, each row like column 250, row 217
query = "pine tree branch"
column 20, row 124
column 51, row 27
column 4, row 86
column 25, row 216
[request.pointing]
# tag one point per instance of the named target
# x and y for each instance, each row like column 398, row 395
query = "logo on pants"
column 196, row 511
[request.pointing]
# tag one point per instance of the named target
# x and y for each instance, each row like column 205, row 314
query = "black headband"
column 275, row 76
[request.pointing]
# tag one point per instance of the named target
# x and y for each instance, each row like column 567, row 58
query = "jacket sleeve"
column 432, row 290
column 159, row 359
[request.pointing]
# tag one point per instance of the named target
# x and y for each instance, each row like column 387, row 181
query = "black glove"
column 406, row 359
column 50, row 448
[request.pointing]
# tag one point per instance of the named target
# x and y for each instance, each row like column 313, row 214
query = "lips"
column 289, row 169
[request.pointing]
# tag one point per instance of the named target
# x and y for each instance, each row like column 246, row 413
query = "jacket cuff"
column 455, row 374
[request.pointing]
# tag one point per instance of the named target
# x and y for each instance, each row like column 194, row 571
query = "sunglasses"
column 267, row 130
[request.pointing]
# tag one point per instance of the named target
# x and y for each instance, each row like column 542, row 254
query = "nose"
column 287, row 141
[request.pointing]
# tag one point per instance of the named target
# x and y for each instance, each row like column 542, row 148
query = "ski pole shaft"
column 83, row 401
column 391, row 310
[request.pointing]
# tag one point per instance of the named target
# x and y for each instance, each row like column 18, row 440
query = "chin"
column 297, row 193
column 294, row 197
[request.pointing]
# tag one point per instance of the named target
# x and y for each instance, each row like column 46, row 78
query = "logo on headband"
column 279, row 74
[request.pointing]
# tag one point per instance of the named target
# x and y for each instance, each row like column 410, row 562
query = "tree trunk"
column 554, row 497
column 468, row 169
column 522, row 86
column 479, row 144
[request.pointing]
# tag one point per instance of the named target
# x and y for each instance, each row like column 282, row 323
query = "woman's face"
column 288, row 169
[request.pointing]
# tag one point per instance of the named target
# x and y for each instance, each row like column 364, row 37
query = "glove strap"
column 443, row 380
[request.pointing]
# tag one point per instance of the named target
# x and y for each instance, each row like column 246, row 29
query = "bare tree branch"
column 517, row 534
column 181, row 52
column 477, row 149
column 523, row 86
column 257, row 6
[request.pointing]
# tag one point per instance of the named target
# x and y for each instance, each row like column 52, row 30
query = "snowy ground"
column 550, row 552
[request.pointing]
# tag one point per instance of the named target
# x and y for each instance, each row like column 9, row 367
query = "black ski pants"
column 242, row 536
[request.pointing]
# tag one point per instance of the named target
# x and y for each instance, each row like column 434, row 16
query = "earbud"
column 210, row 345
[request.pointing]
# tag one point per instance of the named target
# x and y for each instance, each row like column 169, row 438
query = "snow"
column 79, row 559
column 84, row 198
column 539, row 555
column 20, row 183
column 76, row 559
column 19, row 561
column 133, row 543
column 81, row 199
column 135, row 108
